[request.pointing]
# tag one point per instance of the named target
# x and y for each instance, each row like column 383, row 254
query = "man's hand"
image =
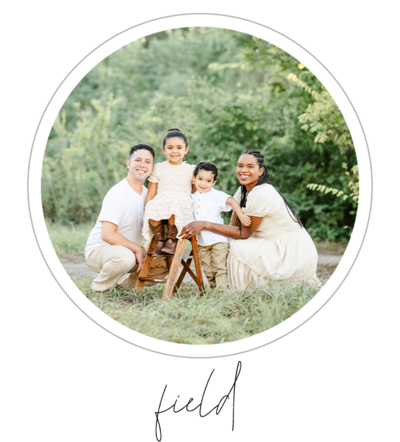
column 139, row 260
column 109, row 234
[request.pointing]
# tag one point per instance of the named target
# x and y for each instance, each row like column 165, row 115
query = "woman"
column 275, row 245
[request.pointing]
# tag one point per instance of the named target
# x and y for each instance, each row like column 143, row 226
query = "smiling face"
column 140, row 165
column 248, row 171
column 175, row 149
column 204, row 180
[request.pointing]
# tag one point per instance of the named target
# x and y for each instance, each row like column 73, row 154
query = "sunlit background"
column 228, row 92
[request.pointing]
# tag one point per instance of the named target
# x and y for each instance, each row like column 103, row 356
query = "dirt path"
column 76, row 267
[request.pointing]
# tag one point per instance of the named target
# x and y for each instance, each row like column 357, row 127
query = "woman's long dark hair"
column 264, row 178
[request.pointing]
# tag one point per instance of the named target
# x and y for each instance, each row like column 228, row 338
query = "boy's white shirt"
column 208, row 206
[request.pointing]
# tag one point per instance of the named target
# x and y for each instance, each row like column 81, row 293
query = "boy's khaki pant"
column 113, row 262
column 213, row 263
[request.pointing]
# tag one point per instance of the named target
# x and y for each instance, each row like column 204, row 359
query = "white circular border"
column 39, row 146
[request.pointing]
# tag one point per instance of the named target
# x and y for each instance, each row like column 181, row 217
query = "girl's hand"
column 245, row 220
column 191, row 229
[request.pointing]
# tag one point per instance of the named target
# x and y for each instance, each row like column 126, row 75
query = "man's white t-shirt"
column 208, row 206
column 121, row 206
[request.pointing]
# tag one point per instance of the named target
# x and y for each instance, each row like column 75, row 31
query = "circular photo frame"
column 38, row 151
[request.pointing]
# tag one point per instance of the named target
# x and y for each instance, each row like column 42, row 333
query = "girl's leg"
column 159, row 233
column 170, row 245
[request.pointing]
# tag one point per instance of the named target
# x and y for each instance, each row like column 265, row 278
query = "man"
column 114, row 245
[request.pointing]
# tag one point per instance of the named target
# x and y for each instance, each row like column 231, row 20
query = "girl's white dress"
column 173, row 196
column 280, row 248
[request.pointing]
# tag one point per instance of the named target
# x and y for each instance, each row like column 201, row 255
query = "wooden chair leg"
column 146, row 265
column 174, row 262
column 195, row 249
column 183, row 273
column 174, row 270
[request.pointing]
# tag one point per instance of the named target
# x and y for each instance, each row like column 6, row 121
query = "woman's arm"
column 229, row 231
column 151, row 192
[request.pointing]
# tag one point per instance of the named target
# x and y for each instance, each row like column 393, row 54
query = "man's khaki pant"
column 213, row 263
column 113, row 262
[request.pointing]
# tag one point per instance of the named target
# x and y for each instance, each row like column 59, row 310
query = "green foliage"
column 229, row 92
column 324, row 118
column 82, row 165
column 353, row 185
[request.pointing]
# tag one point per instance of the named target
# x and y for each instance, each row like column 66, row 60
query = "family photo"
column 200, row 185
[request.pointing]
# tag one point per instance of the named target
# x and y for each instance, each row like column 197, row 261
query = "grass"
column 188, row 318
column 213, row 318
column 331, row 248
column 71, row 239
column 68, row 239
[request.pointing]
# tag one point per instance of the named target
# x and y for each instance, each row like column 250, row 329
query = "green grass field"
column 189, row 318
column 68, row 239
column 71, row 239
column 213, row 318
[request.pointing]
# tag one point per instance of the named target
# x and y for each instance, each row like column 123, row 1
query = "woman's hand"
column 229, row 231
column 192, row 229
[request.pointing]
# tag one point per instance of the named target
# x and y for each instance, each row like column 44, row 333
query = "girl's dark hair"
column 175, row 132
column 206, row 165
column 263, row 179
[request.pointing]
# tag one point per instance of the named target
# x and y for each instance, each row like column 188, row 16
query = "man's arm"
column 109, row 234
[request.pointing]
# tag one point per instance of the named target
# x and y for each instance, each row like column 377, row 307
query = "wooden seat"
column 173, row 282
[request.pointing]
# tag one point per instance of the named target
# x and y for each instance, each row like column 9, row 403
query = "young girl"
column 168, row 198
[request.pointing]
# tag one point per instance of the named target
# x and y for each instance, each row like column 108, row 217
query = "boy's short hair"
column 141, row 147
column 206, row 165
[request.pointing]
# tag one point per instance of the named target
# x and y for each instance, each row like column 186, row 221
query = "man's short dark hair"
column 141, row 147
column 206, row 165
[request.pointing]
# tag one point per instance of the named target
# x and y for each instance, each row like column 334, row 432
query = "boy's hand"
column 245, row 220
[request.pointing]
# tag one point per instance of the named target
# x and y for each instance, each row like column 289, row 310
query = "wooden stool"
column 174, row 262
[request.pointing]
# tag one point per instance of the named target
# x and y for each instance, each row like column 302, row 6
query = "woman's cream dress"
column 280, row 248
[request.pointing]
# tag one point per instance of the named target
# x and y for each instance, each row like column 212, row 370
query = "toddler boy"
column 208, row 204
